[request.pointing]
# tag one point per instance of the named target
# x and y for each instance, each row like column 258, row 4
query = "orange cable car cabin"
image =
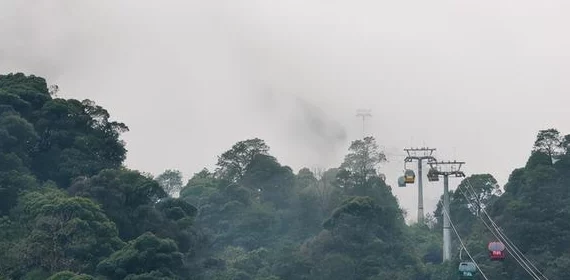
column 409, row 176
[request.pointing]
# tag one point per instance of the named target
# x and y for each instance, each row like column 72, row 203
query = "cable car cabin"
column 409, row 176
column 496, row 251
column 467, row 270
column 401, row 182
column 432, row 175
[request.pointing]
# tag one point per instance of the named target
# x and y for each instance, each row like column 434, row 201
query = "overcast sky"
column 474, row 79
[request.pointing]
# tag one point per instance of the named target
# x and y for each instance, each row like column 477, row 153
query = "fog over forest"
column 219, row 140
column 442, row 74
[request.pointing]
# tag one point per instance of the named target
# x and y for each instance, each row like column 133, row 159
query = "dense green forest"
column 70, row 209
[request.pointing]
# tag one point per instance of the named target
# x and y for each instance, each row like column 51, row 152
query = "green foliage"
column 47, row 143
column 69, row 275
column 275, row 182
column 233, row 162
column 35, row 274
column 141, row 257
column 17, row 137
column 363, row 238
column 12, row 183
column 360, row 163
column 550, row 142
column 126, row 196
column 170, row 181
column 70, row 210
column 66, row 232
column 80, row 138
column 533, row 212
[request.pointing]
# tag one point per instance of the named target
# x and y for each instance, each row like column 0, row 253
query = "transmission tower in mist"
column 362, row 113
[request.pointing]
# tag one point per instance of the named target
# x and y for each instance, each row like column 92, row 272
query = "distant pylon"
column 363, row 114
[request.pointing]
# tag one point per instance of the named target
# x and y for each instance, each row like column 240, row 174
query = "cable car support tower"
column 420, row 154
column 433, row 175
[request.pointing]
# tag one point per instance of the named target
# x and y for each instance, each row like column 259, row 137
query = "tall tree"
column 146, row 257
column 549, row 141
column 126, row 196
column 274, row 182
column 362, row 161
column 170, row 181
column 326, row 190
column 17, row 136
column 480, row 190
column 67, row 233
column 474, row 193
column 233, row 163
column 77, row 138
column 566, row 143
column 305, row 178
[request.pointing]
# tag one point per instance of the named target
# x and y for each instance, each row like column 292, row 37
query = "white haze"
column 476, row 80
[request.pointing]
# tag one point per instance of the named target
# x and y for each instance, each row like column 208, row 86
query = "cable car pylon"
column 419, row 154
column 436, row 172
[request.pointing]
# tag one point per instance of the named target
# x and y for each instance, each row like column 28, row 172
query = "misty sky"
column 474, row 79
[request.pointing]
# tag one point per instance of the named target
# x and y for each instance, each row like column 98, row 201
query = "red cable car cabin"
column 496, row 251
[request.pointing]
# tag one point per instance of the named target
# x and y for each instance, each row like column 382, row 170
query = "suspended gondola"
column 496, row 251
column 467, row 270
column 432, row 175
column 401, row 182
column 409, row 176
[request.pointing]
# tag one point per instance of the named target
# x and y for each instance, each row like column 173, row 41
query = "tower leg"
column 420, row 194
column 446, row 222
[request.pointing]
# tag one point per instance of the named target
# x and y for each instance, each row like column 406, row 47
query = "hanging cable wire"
column 517, row 254
column 516, row 249
column 500, row 231
column 517, row 258
column 463, row 244
column 507, row 241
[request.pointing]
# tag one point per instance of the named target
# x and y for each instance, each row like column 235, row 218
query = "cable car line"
column 516, row 256
column 501, row 232
column 508, row 242
column 523, row 265
column 463, row 244
column 516, row 248
column 504, row 239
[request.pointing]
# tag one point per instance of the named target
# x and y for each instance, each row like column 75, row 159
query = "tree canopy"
column 70, row 209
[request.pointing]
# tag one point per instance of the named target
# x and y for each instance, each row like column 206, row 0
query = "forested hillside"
column 70, row 209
